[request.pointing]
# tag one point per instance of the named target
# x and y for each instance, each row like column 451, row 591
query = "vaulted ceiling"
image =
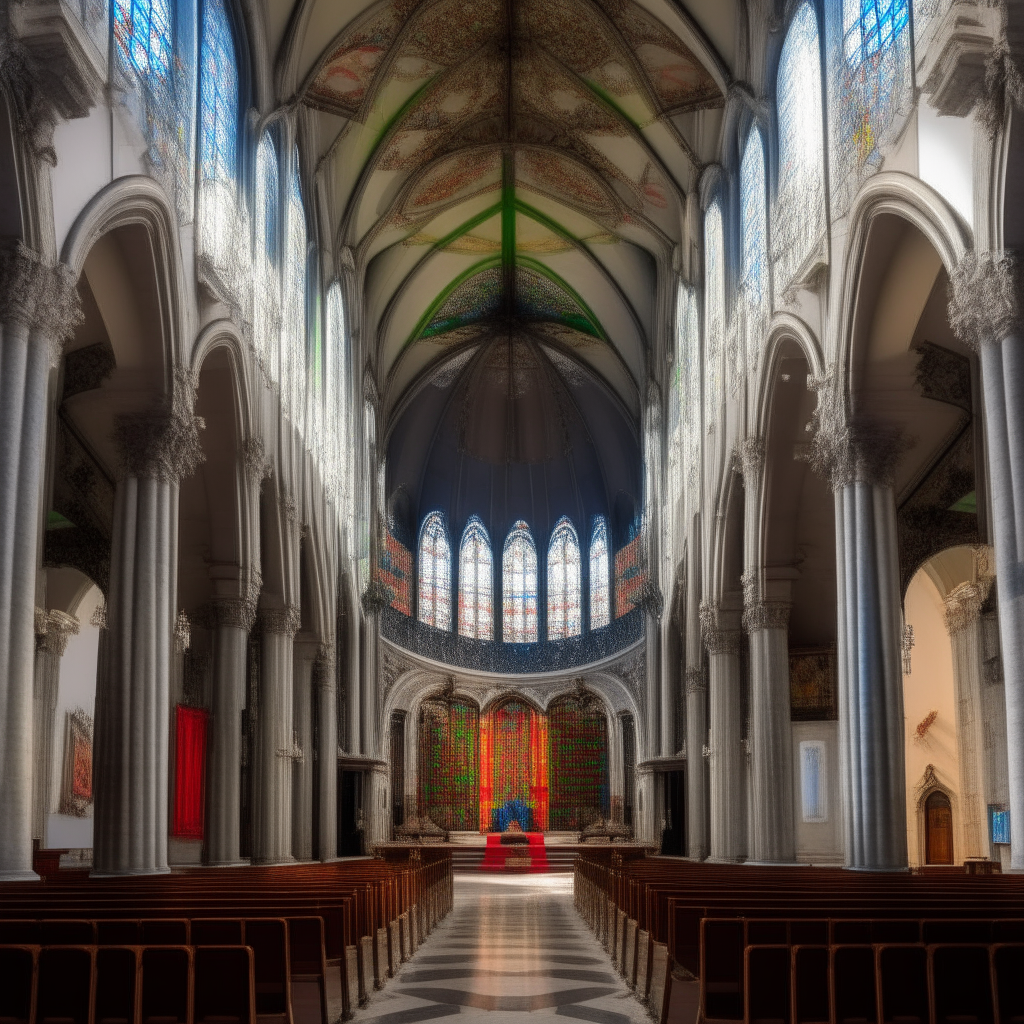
column 471, row 149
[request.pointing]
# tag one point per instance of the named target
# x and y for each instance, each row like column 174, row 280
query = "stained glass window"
column 577, row 765
column 688, row 345
column 394, row 570
column 565, row 602
column 629, row 577
column 435, row 573
column 337, row 421
column 519, row 586
column 600, row 605
column 799, row 219
column 476, row 583
column 754, row 226
column 218, row 94
column 714, row 310
column 450, row 764
column 142, row 32
column 293, row 355
column 267, row 290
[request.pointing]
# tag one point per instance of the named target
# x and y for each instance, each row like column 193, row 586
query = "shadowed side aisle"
column 512, row 944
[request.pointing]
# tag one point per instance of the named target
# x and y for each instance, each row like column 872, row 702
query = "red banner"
column 190, row 772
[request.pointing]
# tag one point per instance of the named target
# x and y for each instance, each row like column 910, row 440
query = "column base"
column 25, row 875
column 774, row 864
column 242, row 863
column 902, row 870
column 723, row 860
column 273, row 863
column 128, row 873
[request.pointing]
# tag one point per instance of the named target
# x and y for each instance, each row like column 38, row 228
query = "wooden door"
column 938, row 817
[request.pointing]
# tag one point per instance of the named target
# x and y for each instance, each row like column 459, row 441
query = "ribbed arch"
column 565, row 605
column 434, row 571
column 476, row 582
column 519, row 586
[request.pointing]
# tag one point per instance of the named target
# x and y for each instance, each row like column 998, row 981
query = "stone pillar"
column 985, row 313
column 353, row 668
column 859, row 459
column 38, row 311
column 133, row 690
column 232, row 620
column 721, row 634
column 696, row 711
column 302, row 776
column 376, row 812
column 276, row 751
column 963, row 609
column 53, row 630
column 772, row 838
column 647, row 810
column 324, row 690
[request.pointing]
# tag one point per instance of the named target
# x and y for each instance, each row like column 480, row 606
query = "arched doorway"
column 938, row 829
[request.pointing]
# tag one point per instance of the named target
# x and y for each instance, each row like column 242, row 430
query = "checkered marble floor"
column 512, row 949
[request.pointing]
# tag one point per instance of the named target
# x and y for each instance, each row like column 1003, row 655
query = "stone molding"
column 863, row 451
column 695, row 681
column 53, row 631
column 39, row 296
column 284, row 621
column 766, row 615
column 985, row 298
column 163, row 444
column 716, row 639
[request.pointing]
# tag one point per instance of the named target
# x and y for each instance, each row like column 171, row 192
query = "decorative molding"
column 963, row 606
column 959, row 61
column 53, row 631
column 695, row 681
column 39, row 296
column 282, row 621
column 766, row 615
column 392, row 667
column 985, row 298
column 864, row 450
column 716, row 639
column 254, row 459
column 906, row 646
column 232, row 613
column 99, row 616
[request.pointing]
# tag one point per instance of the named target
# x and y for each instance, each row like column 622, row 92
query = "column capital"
column 53, row 630
column 163, row 444
column 695, row 681
column 718, row 638
column 985, row 291
column 766, row 615
column 39, row 295
column 963, row 606
column 232, row 612
column 254, row 459
column 285, row 621
column 748, row 456
column 863, row 450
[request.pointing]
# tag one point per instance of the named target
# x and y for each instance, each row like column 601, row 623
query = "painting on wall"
column 812, row 684
column 76, row 779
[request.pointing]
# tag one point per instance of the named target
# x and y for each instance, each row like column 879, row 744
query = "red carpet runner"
column 521, row 857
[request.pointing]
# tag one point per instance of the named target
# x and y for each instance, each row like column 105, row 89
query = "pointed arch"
column 434, row 572
column 476, row 582
column 600, row 575
column 519, row 586
column 565, row 602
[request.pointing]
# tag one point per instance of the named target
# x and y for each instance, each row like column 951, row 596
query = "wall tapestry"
column 76, row 780
column 812, row 684
column 190, row 771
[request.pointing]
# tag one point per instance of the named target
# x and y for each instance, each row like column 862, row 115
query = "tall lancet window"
column 142, row 32
column 565, row 611
column 519, row 586
column 435, row 573
column 754, row 225
column 293, row 355
column 268, row 281
column 476, row 583
column 714, row 310
column 600, row 570
column 799, row 221
column 336, row 423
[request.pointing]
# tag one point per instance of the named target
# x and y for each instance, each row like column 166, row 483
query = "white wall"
column 945, row 149
column 819, row 842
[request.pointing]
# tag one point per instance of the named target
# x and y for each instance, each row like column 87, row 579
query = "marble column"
column 53, row 630
column 986, row 313
column 963, row 610
column 722, row 637
column 696, row 711
column 353, row 679
column 231, row 621
column 325, row 693
column 302, row 778
column 772, row 837
column 861, row 458
column 38, row 311
column 133, row 690
column 276, row 749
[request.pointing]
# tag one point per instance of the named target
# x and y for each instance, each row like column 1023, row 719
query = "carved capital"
column 749, row 458
column 717, row 640
column 232, row 613
column 963, row 606
column 375, row 597
column 284, row 621
column 53, row 630
column 985, row 291
column 695, row 681
column 863, row 450
column 323, row 666
column 254, row 458
column 39, row 295
column 766, row 615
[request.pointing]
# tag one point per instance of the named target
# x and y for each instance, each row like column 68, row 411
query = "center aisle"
column 512, row 945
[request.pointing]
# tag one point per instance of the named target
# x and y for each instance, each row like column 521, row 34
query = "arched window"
column 142, row 32
column 336, row 422
column 435, row 574
column 872, row 26
column 268, row 283
column 600, row 588
column 688, row 346
column 218, row 95
column 293, row 353
column 519, row 587
column 476, row 583
column 754, row 227
column 800, row 213
column 565, row 611
column 714, row 310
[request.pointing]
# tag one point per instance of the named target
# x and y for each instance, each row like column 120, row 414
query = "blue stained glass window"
column 218, row 94
column 877, row 27
column 476, row 582
column 999, row 823
column 519, row 586
column 295, row 355
column 600, row 570
column 754, row 220
column 267, row 188
column 435, row 574
column 565, row 611
column 142, row 32
column 714, row 309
